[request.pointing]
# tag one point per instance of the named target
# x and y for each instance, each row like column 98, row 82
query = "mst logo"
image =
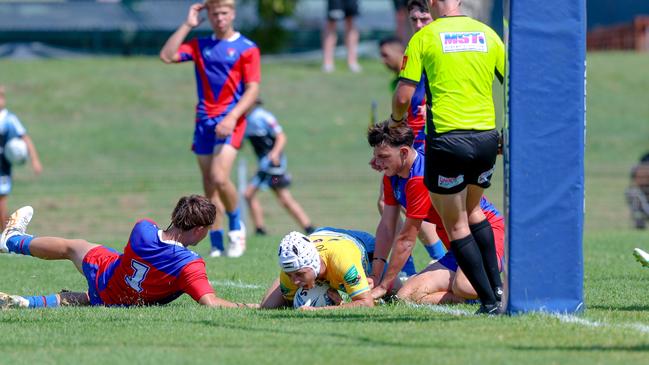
column 463, row 42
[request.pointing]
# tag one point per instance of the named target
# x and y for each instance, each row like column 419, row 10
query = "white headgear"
column 296, row 251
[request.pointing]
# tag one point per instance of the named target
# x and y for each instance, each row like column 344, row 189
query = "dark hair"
column 423, row 7
column 193, row 211
column 397, row 135
column 389, row 40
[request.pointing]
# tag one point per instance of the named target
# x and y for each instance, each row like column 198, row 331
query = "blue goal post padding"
column 544, row 154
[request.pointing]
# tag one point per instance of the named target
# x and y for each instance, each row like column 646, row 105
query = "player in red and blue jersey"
column 227, row 68
column 403, row 166
column 155, row 268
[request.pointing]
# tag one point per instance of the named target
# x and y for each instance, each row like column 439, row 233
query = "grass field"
column 114, row 137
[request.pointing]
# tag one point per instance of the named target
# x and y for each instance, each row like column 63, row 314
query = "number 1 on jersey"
column 139, row 273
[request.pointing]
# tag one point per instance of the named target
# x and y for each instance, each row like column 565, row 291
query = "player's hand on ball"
column 193, row 18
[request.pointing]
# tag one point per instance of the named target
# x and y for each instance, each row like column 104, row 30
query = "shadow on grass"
column 621, row 308
column 349, row 339
column 589, row 348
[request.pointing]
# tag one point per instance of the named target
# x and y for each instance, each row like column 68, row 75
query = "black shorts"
column 340, row 9
column 458, row 158
column 263, row 180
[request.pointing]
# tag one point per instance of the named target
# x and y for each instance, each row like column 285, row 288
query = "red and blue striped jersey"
column 152, row 271
column 223, row 67
column 412, row 194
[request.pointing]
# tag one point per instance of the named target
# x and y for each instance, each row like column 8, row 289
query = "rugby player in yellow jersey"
column 460, row 57
column 334, row 256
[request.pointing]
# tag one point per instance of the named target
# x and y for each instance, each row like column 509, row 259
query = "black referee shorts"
column 458, row 158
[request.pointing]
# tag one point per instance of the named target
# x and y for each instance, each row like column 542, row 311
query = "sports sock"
column 484, row 237
column 216, row 239
column 234, row 218
column 468, row 257
column 435, row 250
column 20, row 244
column 43, row 301
column 409, row 267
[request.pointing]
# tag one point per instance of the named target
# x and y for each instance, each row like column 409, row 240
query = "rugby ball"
column 15, row 151
column 314, row 297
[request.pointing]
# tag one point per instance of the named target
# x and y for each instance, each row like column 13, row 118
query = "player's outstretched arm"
column 169, row 52
column 403, row 246
column 273, row 297
column 211, row 300
column 33, row 155
column 385, row 233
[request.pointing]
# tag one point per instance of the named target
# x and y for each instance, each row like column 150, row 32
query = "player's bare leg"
column 431, row 286
column 225, row 156
column 4, row 213
column 256, row 210
column 205, row 163
column 351, row 43
column 329, row 39
column 293, row 207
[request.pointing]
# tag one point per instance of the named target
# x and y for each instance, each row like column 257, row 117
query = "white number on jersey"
column 139, row 273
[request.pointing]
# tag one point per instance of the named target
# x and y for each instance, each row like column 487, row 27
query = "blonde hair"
column 216, row 3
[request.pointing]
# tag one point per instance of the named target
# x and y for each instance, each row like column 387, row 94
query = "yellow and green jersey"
column 345, row 262
column 460, row 57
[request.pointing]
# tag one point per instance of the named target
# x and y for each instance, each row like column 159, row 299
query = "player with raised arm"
column 403, row 166
column 155, row 268
column 338, row 257
column 228, row 73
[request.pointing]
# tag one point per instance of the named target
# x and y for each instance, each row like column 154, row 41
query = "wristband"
column 380, row 258
column 396, row 121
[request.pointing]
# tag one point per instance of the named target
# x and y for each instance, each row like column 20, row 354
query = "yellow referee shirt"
column 460, row 56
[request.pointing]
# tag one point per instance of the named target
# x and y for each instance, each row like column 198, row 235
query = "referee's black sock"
column 467, row 255
column 484, row 237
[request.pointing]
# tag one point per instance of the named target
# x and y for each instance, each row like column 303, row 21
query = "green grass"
column 114, row 136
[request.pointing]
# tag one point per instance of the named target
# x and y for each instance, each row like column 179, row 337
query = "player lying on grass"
column 335, row 256
column 403, row 166
column 155, row 268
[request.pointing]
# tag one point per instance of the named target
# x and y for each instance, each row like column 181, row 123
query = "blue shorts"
column 205, row 139
column 5, row 184
column 363, row 240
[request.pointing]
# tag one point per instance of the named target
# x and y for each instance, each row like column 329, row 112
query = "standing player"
column 155, row 268
column 268, row 140
column 338, row 257
column 460, row 57
column 403, row 183
column 339, row 10
column 10, row 127
column 227, row 80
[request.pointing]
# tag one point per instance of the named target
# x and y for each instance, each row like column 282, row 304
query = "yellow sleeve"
column 287, row 287
column 412, row 65
column 353, row 276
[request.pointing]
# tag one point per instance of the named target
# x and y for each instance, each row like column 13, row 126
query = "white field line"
column 235, row 284
column 564, row 318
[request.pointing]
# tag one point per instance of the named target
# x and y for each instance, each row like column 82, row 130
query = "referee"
column 460, row 57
